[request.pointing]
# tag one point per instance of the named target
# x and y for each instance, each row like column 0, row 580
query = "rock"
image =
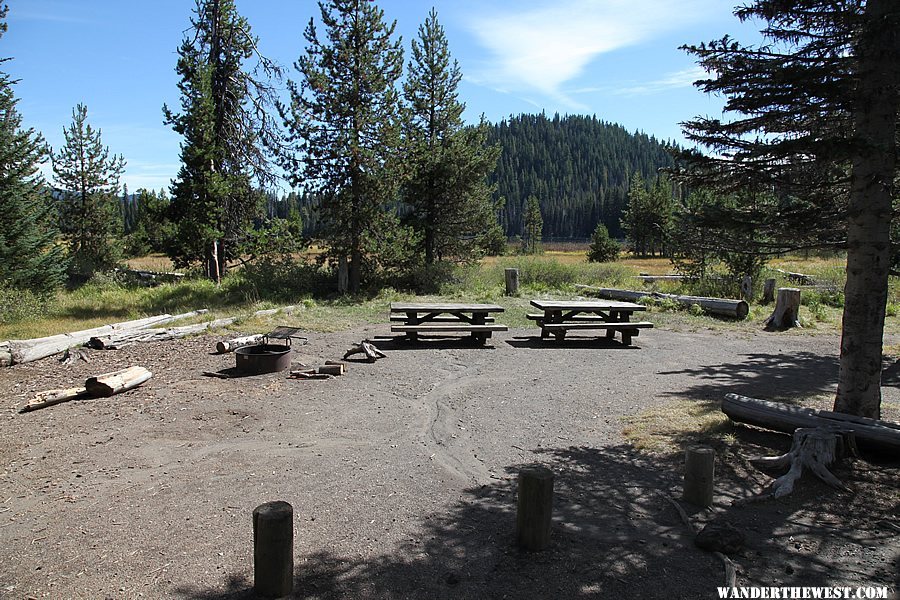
column 720, row 536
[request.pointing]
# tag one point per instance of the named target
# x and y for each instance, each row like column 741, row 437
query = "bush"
column 603, row 248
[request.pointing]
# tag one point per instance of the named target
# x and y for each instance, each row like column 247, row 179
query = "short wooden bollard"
column 273, row 549
column 699, row 475
column 769, row 291
column 535, row 508
column 512, row 281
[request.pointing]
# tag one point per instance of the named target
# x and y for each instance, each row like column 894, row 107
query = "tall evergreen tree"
column 88, row 176
column 227, row 131
column 447, row 189
column 815, row 122
column 29, row 255
column 343, row 124
column 532, row 226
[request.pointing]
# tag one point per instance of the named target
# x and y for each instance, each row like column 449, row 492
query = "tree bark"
column 787, row 310
column 870, row 211
column 117, row 381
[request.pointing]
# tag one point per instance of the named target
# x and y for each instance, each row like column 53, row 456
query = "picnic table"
column 559, row 316
column 475, row 319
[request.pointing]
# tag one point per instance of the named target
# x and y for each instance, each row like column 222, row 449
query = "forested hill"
column 578, row 167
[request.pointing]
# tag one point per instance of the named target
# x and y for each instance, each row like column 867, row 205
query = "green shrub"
column 603, row 248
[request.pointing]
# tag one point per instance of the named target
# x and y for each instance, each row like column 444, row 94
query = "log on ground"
column 872, row 433
column 51, row 397
column 225, row 346
column 737, row 309
column 116, row 382
column 15, row 352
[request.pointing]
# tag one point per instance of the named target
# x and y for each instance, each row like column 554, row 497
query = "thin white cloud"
column 542, row 48
column 678, row 79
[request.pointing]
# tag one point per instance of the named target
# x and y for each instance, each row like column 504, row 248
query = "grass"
column 670, row 427
column 553, row 274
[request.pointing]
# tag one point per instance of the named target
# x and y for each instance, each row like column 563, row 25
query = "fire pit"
column 266, row 357
column 263, row 358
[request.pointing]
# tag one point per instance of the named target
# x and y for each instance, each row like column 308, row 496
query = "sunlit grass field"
column 552, row 274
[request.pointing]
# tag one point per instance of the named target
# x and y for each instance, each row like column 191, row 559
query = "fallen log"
column 737, row 309
column 13, row 352
column 230, row 345
column 372, row 353
column 117, row 381
column 51, row 397
column 815, row 449
column 121, row 340
column 877, row 434
column 797, row 277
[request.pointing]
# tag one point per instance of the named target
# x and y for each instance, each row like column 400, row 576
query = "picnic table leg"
column 479, row 337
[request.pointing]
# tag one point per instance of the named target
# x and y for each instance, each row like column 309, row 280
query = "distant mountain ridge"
column 579, row 168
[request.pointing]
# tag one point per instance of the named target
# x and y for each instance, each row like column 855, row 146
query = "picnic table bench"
column 559, row 316
column 475, row 319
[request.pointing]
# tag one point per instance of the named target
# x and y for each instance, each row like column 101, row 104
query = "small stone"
column 720, row 536
column 789, row 570
column 451, row 579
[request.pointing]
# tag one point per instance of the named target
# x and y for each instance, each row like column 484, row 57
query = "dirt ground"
column 402, row 473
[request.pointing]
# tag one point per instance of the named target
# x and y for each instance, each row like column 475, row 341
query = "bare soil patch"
column 402, row 472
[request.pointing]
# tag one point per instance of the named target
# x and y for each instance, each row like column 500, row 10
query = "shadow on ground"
column 615, row 535
column 787, row 377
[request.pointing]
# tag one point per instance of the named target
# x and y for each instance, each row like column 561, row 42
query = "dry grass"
column 672, row 426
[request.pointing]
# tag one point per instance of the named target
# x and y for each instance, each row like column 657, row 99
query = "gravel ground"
column 402, row 473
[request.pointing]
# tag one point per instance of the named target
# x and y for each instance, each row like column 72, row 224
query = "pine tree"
column 343, row 123
column 815, row 121
column 88, row 177
column 603, row 248
column 29, row 255
column 447, row 190
column 227, row 130
column 532, row 226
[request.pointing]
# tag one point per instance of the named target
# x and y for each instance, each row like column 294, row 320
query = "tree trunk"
column 769, row 291
column 355, row 266
column 870, row 211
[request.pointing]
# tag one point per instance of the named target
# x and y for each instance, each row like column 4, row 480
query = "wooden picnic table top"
column 587, row 305
column 445, row 307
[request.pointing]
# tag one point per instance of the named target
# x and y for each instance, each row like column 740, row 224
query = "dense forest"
column 579, row 168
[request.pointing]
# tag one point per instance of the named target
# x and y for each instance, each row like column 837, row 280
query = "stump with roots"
column 787, row 310
column 814, row 448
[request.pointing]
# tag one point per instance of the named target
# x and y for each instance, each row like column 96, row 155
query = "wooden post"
column 534, row 508
column 273, row 549
column 747, row 288
column 343, row 275
column 512, row 282
column 699, row 475
column 787, row 309
column 769, row 291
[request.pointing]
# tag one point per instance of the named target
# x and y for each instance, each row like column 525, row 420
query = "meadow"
column 554, row 273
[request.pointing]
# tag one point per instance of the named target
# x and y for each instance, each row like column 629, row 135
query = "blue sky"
column 617, row 59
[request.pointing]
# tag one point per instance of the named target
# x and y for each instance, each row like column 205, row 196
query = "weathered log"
column 229, row 345
column 719, row 306
column 309, row 374
column 797, row 277
column 372, row 353
column 117, row 381
column 769, row 291
column 785, row 417
column 787, row 310
column 121, row 340
column 330, row 369
column 813, row 448
column 51, row 397
column 14, row 352
column 654, row 278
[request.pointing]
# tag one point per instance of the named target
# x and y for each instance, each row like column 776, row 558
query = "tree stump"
column 273, row 549
column 699, row 475
column 534, row 508
column 747, row 288
column 768, row 291
column 512, row 281
column 787, row 310
column 815, row 448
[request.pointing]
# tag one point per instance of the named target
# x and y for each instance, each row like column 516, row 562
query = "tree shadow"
column 570, row 343
column 787, row 377
column 430, row 342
